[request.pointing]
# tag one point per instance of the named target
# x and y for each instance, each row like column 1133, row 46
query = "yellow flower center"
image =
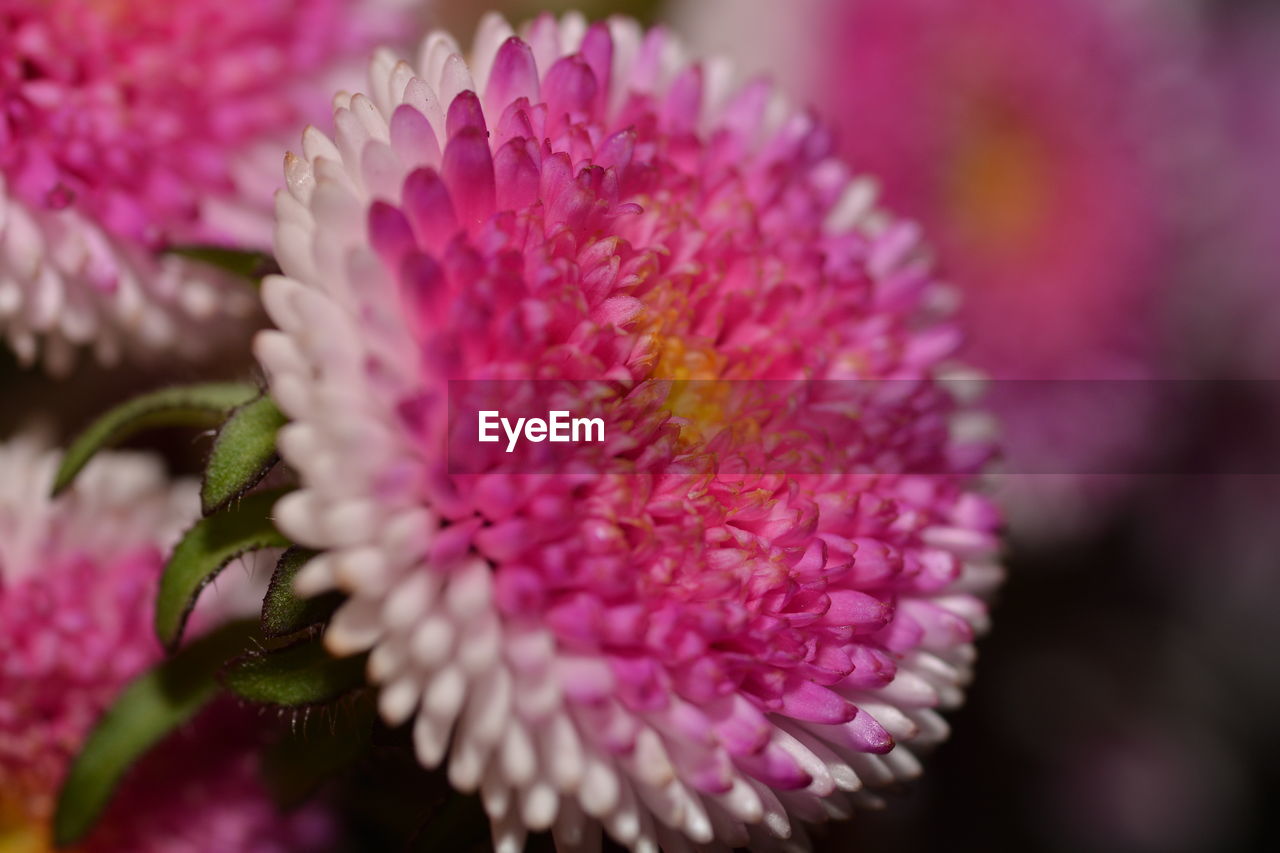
column 999, row 188
column 21, row 832
column 693, row 366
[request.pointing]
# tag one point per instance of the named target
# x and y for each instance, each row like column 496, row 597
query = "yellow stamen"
column 1000, row 182
column 694, row 366
column 21, row 832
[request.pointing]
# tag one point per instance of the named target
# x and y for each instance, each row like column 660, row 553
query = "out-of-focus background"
column 1101, row 179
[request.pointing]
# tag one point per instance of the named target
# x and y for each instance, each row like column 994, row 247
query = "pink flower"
column 129, row 127
column 1015, row 131
column 77, row 580
column 1040, row 143
column 677, row 657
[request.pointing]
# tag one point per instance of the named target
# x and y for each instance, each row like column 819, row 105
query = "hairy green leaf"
column 150, row 707
column 283, row 611
column 203, row 406
column 299, row 675
column 243, row 453
column 250, row 265
column 204, row 551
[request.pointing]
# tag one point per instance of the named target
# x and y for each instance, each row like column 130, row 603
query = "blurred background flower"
column 78, row 575
column 129, row 128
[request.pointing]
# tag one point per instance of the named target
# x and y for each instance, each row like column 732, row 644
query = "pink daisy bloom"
column 129, row 127
column 77, row 580
column 679, row 658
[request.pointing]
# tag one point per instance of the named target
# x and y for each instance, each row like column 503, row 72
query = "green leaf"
column 299, row 675
column 243, row 453
column 150, row 707
column 204, row 551
column 187, row 405
column 250, row 265
column 303, row 759
column 283, row 611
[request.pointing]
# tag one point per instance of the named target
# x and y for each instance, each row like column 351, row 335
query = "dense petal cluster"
column 678, row 654
column 125, row 127
column 77, row 580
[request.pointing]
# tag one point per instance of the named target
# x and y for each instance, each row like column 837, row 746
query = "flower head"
column 676, row 652
column 129, row 127
column 77, row 578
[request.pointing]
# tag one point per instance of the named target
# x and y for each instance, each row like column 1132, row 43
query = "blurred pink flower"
column 129, row 127
column 1019, row 132
column 677, row 657
column 77, row 579
column 1040, row 143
